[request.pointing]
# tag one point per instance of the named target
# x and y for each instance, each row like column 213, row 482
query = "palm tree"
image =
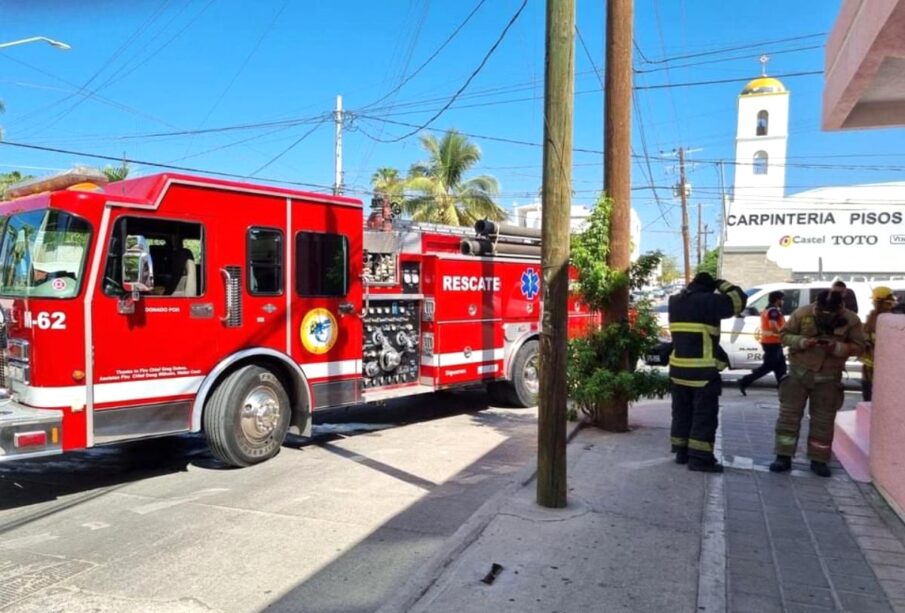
column 10, row 178
column 444, row 195
column 388, row 184
column 116, row 173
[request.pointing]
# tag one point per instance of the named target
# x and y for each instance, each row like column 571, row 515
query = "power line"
column 431, row 58
column 758, row 45
column 470, row 78
column 290, row 147
column 112, row 58
column 727, row 59
column 263, row 36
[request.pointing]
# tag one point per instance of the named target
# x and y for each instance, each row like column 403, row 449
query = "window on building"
column 177, row 255
column 763, row 123
column 761, row 160
column 321, row 264
column 265, row 261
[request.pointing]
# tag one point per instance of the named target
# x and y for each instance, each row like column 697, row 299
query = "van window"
column 815, row 291
column 791, row 301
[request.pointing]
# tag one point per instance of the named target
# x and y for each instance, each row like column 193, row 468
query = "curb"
column 411, row 592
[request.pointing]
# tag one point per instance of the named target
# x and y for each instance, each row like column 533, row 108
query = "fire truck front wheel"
column 247, row 417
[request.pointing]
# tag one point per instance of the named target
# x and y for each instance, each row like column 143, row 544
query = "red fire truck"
column 172, row 303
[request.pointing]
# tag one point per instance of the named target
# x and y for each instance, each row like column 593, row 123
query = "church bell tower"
column 761, row 140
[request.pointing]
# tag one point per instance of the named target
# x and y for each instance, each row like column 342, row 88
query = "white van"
column 740, row 336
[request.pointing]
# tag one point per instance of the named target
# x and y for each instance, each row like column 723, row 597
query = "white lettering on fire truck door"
column 464, row 283
column 45, row 320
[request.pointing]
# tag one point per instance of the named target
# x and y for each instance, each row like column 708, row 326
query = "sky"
column 248, row 88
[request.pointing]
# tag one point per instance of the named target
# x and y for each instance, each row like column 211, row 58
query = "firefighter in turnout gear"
column 695, row 364
column 884, row 301
column 820, row 338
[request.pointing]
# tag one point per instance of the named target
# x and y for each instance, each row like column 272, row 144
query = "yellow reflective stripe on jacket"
column 691, row 362
column 727, row 290
column 687, row 326
column 688, row 382
column 706, row 331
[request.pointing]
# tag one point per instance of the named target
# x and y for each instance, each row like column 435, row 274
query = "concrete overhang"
column 865, row 66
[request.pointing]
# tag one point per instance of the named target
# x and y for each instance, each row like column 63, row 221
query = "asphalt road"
column 335, row 523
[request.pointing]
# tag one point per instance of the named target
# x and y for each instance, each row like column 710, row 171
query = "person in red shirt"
column 771, row 322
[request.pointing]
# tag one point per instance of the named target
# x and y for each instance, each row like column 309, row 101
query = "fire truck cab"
column 172, row 303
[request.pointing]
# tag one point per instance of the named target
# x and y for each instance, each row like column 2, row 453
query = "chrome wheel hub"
column 530, row 375
column 260, row 414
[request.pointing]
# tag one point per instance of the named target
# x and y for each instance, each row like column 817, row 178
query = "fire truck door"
column 326, row 302
column 151, row 354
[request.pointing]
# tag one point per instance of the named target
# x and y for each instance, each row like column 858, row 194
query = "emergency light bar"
column 80, row 178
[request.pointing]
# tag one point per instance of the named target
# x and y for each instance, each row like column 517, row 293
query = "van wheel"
column 525, row 385
column 247, row 417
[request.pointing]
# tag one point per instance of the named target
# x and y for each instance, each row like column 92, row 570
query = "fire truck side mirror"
column 138, row 268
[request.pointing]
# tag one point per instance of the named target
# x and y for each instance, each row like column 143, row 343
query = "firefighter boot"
column 704, row 465
column 820, row 469
column 682, row 455
column 781, row 464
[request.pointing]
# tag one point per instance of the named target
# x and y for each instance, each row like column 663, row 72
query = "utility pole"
column 683, row 194
column 706, row 231
column 724, row 203
column 700, row 233
column 556, row 202
column 338, row 119
column 617, row 173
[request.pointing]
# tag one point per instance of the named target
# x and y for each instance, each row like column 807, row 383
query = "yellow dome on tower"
column 764, row 85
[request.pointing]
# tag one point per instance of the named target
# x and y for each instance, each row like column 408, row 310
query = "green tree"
column 117, row 173
column 10, row 178
column 601, row 375
column 710, row 262
column 443, row 195
column 669, row 269
column 389, row 184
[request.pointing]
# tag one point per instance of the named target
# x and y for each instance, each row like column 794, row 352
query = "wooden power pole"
column 557, row 203
column 700, row 234
column 683, row 194
column 617, row 145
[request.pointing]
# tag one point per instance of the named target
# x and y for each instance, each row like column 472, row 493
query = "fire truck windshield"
column 42, row 254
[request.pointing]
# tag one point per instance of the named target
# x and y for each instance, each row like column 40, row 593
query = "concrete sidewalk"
column 643, row 534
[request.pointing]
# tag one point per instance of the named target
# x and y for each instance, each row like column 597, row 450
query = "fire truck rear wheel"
column 525, row 384
column 247, row 417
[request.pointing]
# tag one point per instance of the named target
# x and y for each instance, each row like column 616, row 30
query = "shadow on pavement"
column 76, row 477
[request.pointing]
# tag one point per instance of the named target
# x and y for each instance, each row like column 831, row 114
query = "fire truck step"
column 397, row 392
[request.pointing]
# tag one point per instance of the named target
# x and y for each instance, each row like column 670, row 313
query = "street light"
column 37, row 39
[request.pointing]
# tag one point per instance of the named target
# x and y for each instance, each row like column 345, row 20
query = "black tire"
column 523, row 389
column 246, row 417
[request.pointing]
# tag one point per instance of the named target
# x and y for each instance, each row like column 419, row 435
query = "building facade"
column 851, row 232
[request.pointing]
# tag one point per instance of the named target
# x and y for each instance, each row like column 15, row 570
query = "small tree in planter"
column 602, row 374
